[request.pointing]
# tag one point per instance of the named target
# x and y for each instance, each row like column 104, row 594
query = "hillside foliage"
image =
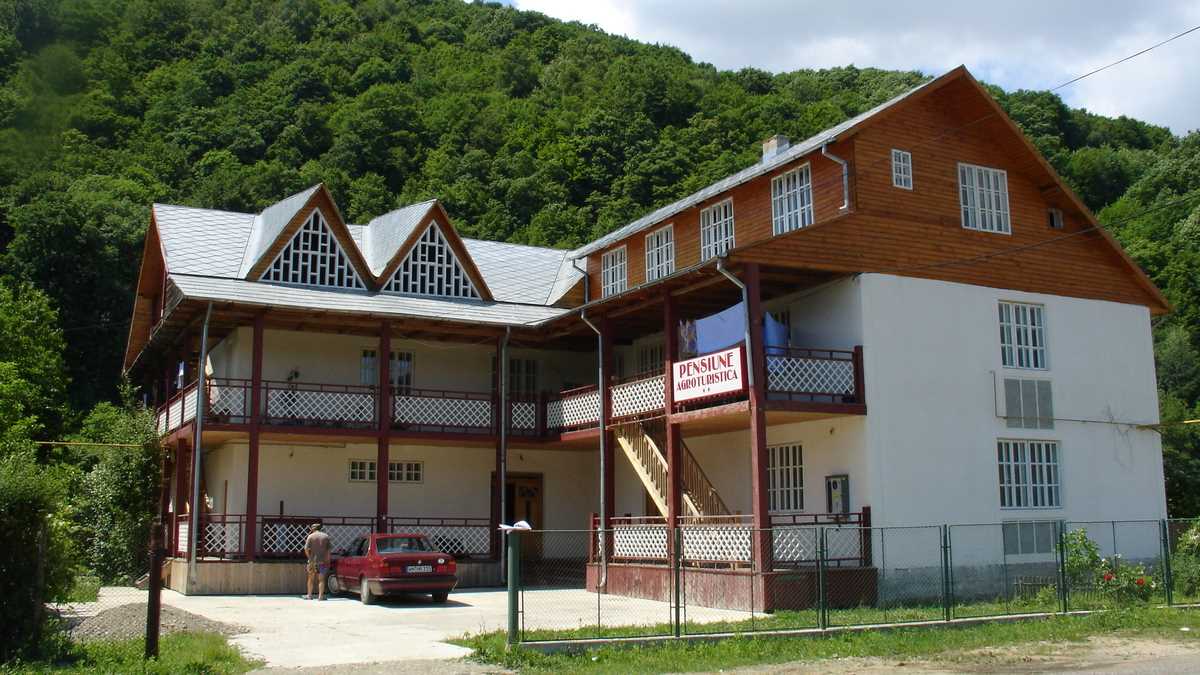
column 529, row 130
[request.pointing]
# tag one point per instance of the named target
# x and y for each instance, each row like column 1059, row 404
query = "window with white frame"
column 785, row 478
column 902, row 172
column 1028, row 403
column 406, row 472
column 1022, row 335
column 1028, row 474
column 660, row 253
column 522, row 377
column 613, row 276
column 716, row 229
column 651, row 358
column 362, row 470
column 792, row 200
column 1054, row 218
column 983, row 196
column 400, row 373
column 432, row 268
column 314, row 258
column 1029, row 537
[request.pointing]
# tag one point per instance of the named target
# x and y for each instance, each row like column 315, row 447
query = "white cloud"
column 1015, row 44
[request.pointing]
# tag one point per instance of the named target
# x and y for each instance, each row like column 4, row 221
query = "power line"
column 1131, row 56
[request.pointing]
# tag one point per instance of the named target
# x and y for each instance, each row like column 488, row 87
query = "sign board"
column 722, row 372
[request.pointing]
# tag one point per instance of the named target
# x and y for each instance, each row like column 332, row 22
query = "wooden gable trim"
column 322, row 200
column 456, row 245
column 141, row 323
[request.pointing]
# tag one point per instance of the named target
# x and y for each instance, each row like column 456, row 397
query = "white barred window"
column 792, row 200
column 314, row 258
column 983, row 195
column 400, row 372
column 613, row 276
column 406, row 472
column 1028, row 474
column 902, row 173
column 362, row 470
column 431, row 268
column 785, row 478
column 716, row 229
column 651, row 358
column 660, row 253
column 1022, row 336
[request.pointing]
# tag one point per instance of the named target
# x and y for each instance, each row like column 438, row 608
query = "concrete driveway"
column 290, row 632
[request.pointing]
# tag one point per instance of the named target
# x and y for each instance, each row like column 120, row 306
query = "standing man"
column 318, row 549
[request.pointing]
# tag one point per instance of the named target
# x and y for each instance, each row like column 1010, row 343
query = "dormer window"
column 314, row 258
column 432, row 268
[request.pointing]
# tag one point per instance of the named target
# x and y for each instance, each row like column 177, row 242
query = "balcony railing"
column 796, row 375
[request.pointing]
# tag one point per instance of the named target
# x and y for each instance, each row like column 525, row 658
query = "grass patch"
column 84, row 588
column 682, row 656
column 179, row 653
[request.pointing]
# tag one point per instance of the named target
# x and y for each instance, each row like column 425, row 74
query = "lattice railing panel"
column 331, row 406
column 222, row 537
column 175, row 414
column 181, row 537
column 282, row 537
column 162, row 422
column 342, row 535
column 638, row 396
column 729, row 543
column 573, row 410
column 227, row 402
column 189, row 406
column 523, row 415
column 796, row 544
column 443, row 412
column 809, row 375
column 640, row 542
column 843, row 543
column 457, row 540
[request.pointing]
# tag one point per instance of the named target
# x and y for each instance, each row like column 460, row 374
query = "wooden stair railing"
column 643, row 443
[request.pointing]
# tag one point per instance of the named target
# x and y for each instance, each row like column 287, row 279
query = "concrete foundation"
column 284, row 577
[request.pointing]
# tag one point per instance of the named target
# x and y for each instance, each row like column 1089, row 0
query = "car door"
column 349, row 566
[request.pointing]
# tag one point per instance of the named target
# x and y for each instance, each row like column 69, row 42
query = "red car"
column 388, row 564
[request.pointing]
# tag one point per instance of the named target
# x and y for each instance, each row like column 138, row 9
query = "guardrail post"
column 822, row 604
column 513, row 538
column 676, row 573
column 1168, row 573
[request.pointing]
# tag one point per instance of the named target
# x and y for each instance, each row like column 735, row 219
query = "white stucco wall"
column 825, row 317
column 931, row 349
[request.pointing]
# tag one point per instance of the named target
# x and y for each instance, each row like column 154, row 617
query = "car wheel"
column 440, row 596
column 332, row 585
column 364, row 592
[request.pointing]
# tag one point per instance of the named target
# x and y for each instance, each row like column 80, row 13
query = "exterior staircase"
column 643, row 443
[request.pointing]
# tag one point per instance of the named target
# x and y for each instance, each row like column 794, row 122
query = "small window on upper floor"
column 716, row 229
column 660, row 253
column 902, row 172
column 791, row 200
column 1022, row 335
column 614, row 277
column 1054, row 218
column 983, row 196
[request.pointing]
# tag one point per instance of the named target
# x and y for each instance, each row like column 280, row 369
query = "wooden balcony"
column 800, row 383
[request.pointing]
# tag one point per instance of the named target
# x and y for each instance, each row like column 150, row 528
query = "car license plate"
column 413, row 569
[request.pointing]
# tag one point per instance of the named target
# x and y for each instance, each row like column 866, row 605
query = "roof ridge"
column 201, row 208
column 513, row 243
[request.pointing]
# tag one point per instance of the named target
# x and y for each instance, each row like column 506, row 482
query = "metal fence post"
column 1168, row 573
column 514, row 585
column 154, row 594
column 676, row 568
column 1062, row 567
column 822, row 603
column 946, row 572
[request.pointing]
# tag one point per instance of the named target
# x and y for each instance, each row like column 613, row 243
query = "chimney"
column 774, row 145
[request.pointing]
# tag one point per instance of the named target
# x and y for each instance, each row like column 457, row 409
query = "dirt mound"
column 129, row 621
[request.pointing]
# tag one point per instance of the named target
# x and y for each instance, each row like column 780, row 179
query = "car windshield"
column 402, row 545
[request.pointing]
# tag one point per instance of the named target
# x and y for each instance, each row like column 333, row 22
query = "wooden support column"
column 255, row 422
column 384, row 366
column 674, row 449
column 756, row 360
column 498, row 471
column 183, row 491
column 610, row 438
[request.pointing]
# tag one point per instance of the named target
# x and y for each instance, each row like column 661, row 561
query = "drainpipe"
column 502, row 414
column 745, row 309
column 586, row 285
column 845, row 174
column 197, row 450
column 603, row 448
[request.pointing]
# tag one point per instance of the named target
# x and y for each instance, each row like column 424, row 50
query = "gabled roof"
column 527, row 274
column 434, row 215
column 386, row 234
column 202, row 241
column 270, row 223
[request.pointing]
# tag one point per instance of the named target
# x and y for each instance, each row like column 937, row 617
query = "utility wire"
column 1131, row 56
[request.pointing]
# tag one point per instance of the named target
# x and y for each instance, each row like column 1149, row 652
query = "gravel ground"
column 129, row 621
column 441, row 667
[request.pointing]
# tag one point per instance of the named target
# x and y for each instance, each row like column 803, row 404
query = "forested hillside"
column 529, row 129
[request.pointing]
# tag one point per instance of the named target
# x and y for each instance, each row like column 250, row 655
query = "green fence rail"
column 647, row 580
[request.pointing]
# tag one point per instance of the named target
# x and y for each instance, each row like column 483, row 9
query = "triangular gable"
column 1056, row 182
column 434, row 261
column 319, row 247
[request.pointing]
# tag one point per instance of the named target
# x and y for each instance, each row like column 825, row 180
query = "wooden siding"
column 751, row 216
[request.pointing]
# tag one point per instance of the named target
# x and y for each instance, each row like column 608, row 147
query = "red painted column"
column 385, row 425
column 183, row 490
column 674, row 449
column 756, row 359
column 610, row 439
column 255, row 421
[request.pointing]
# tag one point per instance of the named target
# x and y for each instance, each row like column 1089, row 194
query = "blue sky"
column 1015, row 44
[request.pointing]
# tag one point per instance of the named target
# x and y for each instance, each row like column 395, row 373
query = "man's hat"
column 314, row 527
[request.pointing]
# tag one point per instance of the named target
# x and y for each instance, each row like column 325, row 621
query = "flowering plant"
column 1125, row 582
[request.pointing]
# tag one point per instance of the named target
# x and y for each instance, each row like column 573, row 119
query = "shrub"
column 1185, row 561
column 1081, row 558
column 1121, row 582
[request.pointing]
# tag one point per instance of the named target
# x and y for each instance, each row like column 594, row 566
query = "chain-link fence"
column 641, row 579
